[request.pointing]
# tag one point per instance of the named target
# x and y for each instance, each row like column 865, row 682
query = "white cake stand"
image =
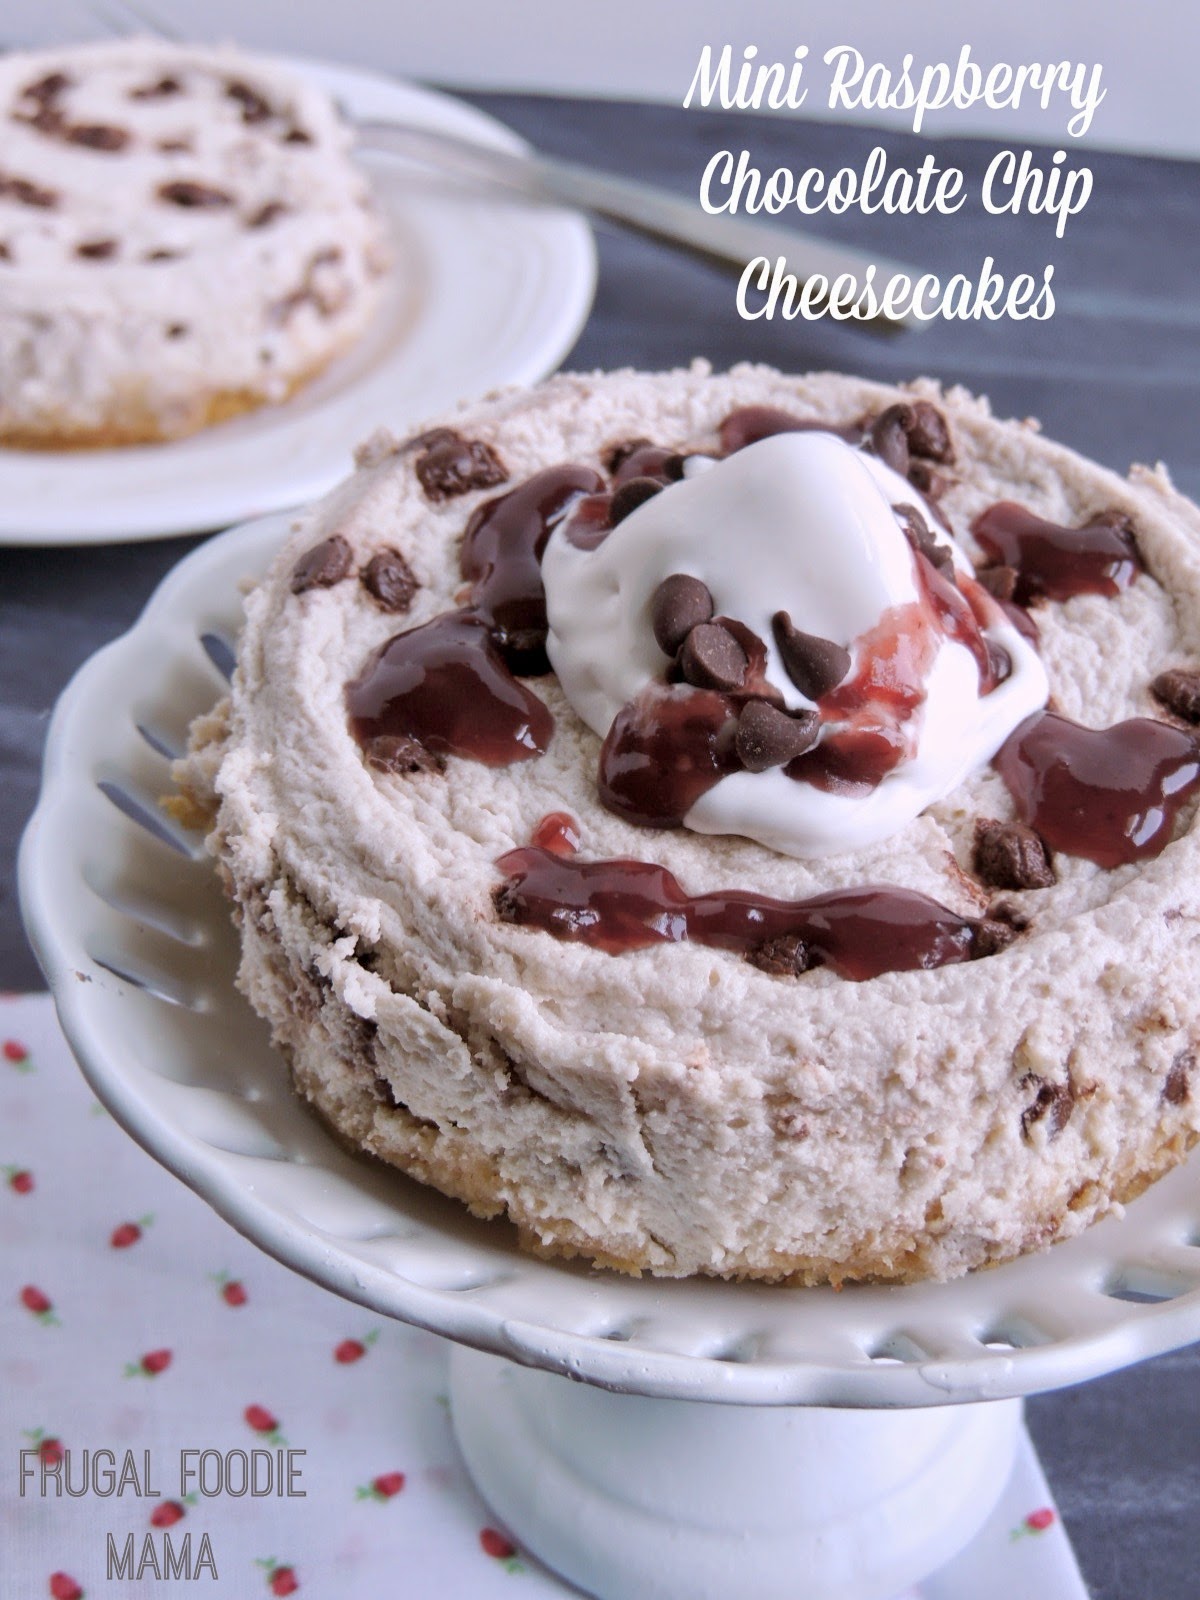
column 725, row 1440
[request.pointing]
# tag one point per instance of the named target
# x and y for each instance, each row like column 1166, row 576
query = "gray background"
column 1115, row 374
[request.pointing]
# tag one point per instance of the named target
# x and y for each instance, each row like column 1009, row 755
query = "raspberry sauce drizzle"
column 1055, row 562
column 446, row 686
column 501, row 558
column 622, row 905
column 1108, row 794
column 450, row 684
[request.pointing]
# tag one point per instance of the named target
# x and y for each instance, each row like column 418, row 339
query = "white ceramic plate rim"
column 526, row 276
column 696, row 1339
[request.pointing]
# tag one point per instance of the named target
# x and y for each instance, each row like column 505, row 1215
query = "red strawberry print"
column 280, row 1580
column 167, row 1514
column 19, row 1179
column 128, row 1233
column 232, row 1291
column 495, row 1544
column 49, row 1450
column 151, row 1364
column 1036, row 1522
column 15, row 1052
column 351, row 1350
column 261, row 1420
column 383, row 1487
column 33, row 1299
column 63, row 1587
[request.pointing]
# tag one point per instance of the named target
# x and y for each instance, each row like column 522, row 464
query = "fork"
column 730, row 243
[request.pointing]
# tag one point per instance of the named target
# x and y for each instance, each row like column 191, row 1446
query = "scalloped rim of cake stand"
column 138, row 951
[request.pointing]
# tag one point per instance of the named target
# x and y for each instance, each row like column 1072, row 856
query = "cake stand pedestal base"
column 642, row 1499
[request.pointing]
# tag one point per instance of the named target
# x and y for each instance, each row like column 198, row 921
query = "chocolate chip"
column 1179, row 691
column 47, row 88
column 177, row 330
column 325, row 564
column 389, row 578
column 1053, row 1104
column 161, row 255
column 157, row 91
column 173, row 147
column 1008, row 855
column 888, row 437
column 813, row 664
column 785, row 957
column 297, row 136
column 1001, row 582
column 922, row 538
column 254, row 107
column 194, row 196
column 1179, row 1079
column 711, row 658
column 907, row 430
column 633, row 493
column 27, row 193
column 451, row 465
column 928, row 434
column 47, row 119
column 680, row 603
column 769, row 737
column 396, row 753
column 931, row 484
column 97, row 136
column 990, row 935
column 614, row 456
column 674, row 464
column 266, row 214
column 5, row 252
column 96, row 249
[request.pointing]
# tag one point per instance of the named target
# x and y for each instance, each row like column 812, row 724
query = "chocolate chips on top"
column 711, row 658
column 813, row 664
column 450, row 465
column 680, row 604
column 1008, row 855
column 631, row 494
column 1179, row 691
column 770, row 737
column 321, row 567
column 912, row 428
column 389, row 579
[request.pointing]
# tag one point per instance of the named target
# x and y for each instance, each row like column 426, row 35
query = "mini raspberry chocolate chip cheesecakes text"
column 183, row 236
column 731, row 824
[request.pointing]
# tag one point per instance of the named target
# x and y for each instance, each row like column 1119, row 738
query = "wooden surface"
column 1116, row 374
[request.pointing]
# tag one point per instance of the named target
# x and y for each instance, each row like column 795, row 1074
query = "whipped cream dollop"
column 807, row 525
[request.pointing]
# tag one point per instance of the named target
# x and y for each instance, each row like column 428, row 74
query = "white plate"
column 136, row 943
column 485, row 293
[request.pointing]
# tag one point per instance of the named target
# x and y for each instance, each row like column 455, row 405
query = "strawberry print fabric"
column 134, row 1321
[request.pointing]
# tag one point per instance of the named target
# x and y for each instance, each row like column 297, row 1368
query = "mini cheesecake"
column 731, row 824
column 183, row 236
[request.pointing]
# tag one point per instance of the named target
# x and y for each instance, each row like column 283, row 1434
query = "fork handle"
column 728, row 242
